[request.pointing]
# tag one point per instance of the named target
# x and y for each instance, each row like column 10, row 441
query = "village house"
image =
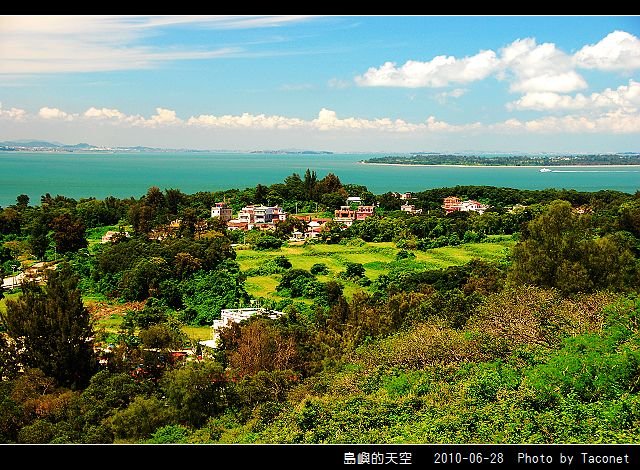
column 410, row 208
column 223, row 211
column 354, row 200
column 236, row 224
column 112, row 236
column 454, row 204
column 229, row 316
column 406, row 196
column 346, row 216
column 258, row 216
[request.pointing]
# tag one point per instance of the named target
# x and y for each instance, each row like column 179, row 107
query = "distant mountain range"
column 44, row 146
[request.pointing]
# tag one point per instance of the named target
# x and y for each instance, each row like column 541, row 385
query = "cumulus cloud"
column 611, row 122
column 619, row 50
column 614, row 112
column 529, row 67
column 533, row 67
column 438, row 72
column 55, row 113
column 162, row 117
column 104, row 113
column 245, row 121
column 625, row 97
column 15, row 114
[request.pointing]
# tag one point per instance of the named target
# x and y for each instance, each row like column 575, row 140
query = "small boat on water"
column 544, row 170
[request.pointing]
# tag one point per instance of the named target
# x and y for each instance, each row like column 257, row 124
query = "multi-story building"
column 263, row 214
column 345, row 215
column 451, row 204
column 229, row 316
column 222, row 211
column 362, row 212
column 410, row 208
column 454, row 204
column 247, row 215
column 279, row 214
column 260, row 215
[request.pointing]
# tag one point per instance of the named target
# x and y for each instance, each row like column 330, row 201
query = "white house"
column 222, row 211
column 236, row 315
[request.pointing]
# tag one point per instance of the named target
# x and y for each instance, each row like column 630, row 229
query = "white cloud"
column 245, row 121
column 15, row 114
column 625, row 97
column 445, row 95
column 612, row 122
column 621, row 120
column 163, row 117
column 438, row 72
column 55, row 113
column 538, row 68
column 62, row 44
column 104, row 113
column 619, row 50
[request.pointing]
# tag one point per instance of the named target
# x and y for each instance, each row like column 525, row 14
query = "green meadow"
column 376, row 258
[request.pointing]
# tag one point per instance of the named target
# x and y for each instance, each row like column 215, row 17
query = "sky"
column 335, row 83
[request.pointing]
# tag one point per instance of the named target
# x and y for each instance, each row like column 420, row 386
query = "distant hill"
column 31, row 144
column 294, row 152
column 43, row 146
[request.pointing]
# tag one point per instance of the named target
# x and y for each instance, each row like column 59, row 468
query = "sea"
column 101, row 174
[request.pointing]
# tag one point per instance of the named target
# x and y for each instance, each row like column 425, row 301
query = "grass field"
column 377, row 259
column 3, row 307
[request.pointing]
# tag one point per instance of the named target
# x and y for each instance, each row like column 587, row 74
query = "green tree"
column 209, row 292
column 559, row 250
column 53, row 329
column 197, row 390
column 22, row 200
column 141, row 418
column 310, row 181
column 9, row 221
column 68, row 233
column 353, row 270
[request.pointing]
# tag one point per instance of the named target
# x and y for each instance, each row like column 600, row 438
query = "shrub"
column 267, row 242
column 319, row 268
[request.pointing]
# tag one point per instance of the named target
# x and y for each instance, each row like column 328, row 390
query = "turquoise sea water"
column 131, row 174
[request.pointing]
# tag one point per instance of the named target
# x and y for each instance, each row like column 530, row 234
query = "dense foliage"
column 541, row 347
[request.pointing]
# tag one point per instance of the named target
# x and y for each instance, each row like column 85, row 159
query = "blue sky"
column 374, row 83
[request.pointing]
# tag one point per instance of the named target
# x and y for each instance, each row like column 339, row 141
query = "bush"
column 319, row 268
column 267, row 242
column 171, row 434
column 353, row 270
column 404, row 254
column 277, row 265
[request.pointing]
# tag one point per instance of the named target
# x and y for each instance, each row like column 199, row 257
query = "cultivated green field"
column 377, row 259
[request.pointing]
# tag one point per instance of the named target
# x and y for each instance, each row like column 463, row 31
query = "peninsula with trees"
column 628, row 158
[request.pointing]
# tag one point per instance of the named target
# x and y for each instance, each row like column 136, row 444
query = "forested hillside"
column 516, row 325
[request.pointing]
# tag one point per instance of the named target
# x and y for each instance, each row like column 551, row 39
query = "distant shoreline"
column 503, row 166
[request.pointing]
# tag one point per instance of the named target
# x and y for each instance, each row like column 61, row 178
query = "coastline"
column 637, row 165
